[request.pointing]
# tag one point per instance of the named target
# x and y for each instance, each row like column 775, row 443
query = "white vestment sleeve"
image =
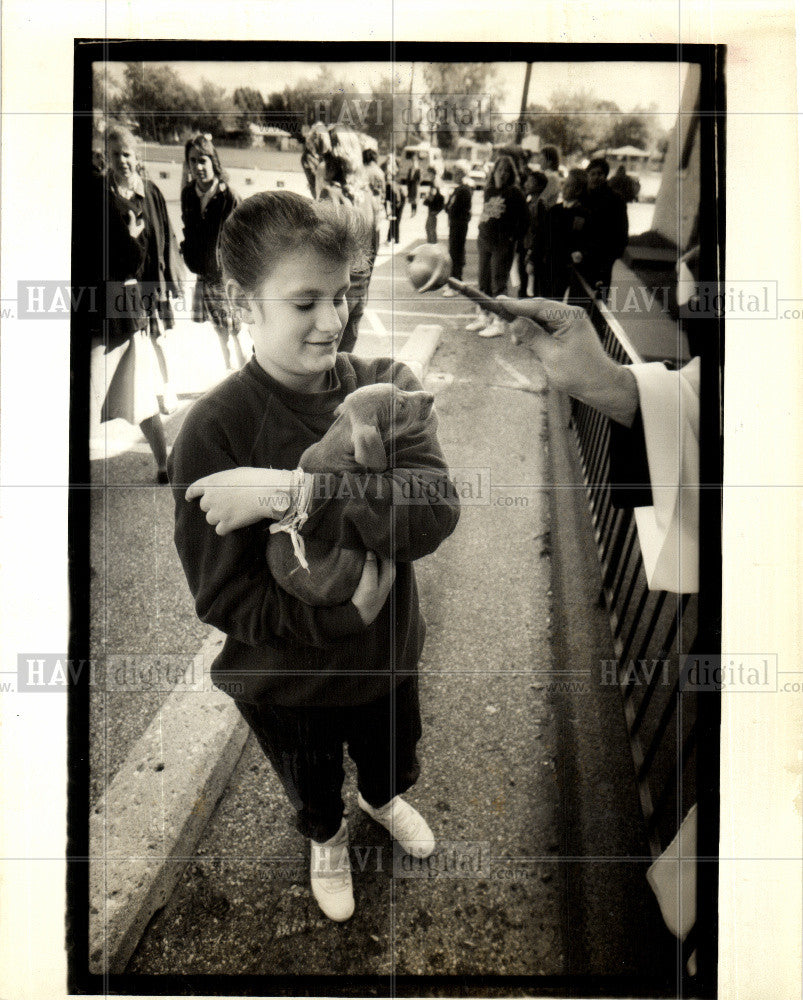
column 669, row 530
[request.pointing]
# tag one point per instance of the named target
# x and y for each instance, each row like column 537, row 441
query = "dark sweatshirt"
column 504, row 216
column 278, row 649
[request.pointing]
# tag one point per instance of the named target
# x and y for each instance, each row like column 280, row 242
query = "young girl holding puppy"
column 309, row 679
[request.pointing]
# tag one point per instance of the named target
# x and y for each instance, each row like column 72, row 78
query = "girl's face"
column 297, row 318
column 123, row 161
column 502, row 174
column 201, row 168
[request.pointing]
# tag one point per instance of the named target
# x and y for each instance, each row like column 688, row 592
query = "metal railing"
column 653, row 631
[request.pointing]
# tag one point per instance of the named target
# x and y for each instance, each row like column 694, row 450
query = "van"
column 424, row 156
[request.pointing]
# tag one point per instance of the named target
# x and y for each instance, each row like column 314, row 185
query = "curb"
column 144, row 829
column 420, row 346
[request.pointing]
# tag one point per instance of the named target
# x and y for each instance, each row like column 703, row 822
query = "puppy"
column 369, row 422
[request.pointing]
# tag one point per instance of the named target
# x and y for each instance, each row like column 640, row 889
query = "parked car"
column 477, row 175
column 425, row 156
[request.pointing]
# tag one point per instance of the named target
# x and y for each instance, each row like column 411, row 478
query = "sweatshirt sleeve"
column 228, row 575
column 669, row 528
column 403, row 513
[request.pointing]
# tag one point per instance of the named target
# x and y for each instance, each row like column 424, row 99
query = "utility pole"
column 524, row 93
column 409, row 106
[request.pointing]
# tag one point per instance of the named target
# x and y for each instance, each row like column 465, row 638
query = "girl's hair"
column 510, row 164
column 551, row 155
column 119, row 133
column 601, row 163
column 123, row 135
column 538, row 178
column 272, row 224
column 205, row 147
column 579, row 178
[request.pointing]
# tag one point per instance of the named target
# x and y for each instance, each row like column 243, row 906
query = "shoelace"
column 405, row 823
column 335, row 869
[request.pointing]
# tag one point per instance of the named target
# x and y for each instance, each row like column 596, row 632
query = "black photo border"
column 712, row 61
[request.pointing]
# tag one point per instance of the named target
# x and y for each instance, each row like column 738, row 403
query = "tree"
column 387, row 119
column 214, row 109
column 157, row 98
column 460, row 100
column 629, row 130
column 580, row 124
column 251, row 106
column 105, row 92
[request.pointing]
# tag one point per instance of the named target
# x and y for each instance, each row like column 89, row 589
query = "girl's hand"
column 374, row 586
column 235, row 498
column 135, row 225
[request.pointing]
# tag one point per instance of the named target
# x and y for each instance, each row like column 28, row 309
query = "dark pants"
column 495, row 263
column 457, row 246
column 305, row 747
column 431, row 227
column 394, row 220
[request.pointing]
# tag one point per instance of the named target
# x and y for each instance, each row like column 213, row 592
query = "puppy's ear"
column 369, row 452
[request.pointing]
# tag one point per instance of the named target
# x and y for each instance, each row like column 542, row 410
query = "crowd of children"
column 535, row 223
column 548, row 225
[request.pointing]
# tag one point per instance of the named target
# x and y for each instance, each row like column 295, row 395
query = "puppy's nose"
column 426, row 402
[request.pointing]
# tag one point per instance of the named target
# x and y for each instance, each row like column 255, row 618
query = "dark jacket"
column 163, row 265
column 110, row 256
column 201, row 245
column 278, row 649
column 606, row 233
column 566, row 232
column 434, row 200
column 458, row 207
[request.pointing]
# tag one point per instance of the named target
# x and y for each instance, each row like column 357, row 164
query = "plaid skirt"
column 211, row 304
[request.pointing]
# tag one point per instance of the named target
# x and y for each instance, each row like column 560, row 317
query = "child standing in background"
column 206, row 202
column 434, row 203
column 458, row 210
column 567, row 234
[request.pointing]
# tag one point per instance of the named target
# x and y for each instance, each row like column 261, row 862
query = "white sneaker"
column 482, row 320
column 497, row 329
column 405, row 824
column 449, row 293
column 330, row 875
